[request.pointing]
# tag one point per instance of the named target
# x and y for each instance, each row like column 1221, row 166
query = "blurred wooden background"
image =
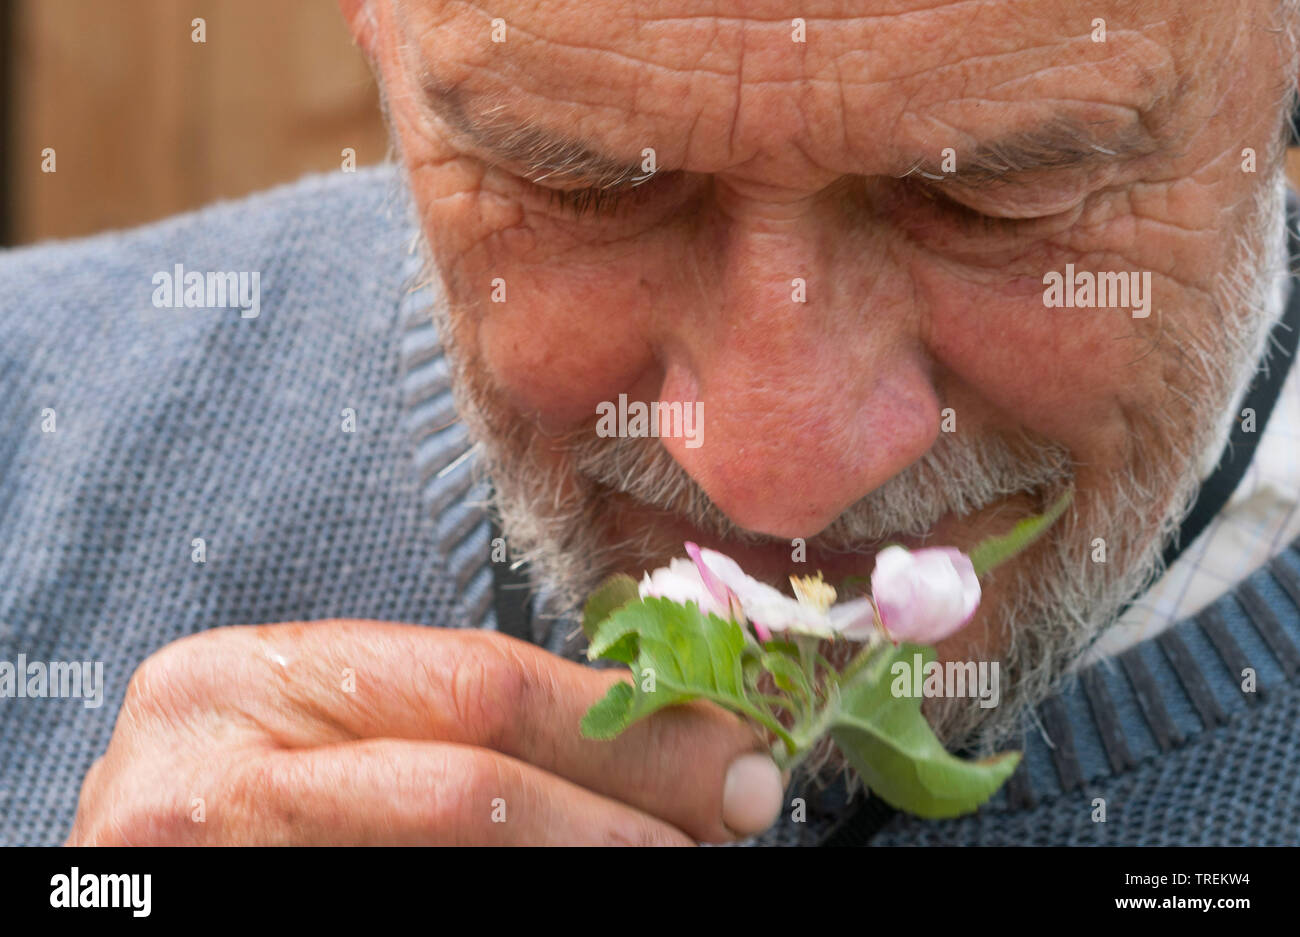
column 145, row 122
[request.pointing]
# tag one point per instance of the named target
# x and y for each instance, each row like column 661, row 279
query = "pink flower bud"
column 924, row 595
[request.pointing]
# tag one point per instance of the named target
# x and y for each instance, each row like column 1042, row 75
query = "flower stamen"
column 813, row 591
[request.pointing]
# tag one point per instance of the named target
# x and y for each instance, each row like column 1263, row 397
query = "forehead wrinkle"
column 547, row 155
column 662, row 87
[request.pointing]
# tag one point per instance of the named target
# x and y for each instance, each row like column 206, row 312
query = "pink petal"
column 925, row 595
column 714, row 584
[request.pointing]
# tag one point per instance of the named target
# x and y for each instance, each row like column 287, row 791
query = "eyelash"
column 606, row 201
column 966, row 217
column 601, row 202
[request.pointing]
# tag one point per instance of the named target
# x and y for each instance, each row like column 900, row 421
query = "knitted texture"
column 177, row 424
column 1234, row 783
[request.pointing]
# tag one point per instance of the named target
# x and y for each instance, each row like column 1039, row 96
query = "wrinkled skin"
column 779, row 160
column 775, row 160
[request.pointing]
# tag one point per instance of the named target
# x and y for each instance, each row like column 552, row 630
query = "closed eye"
column 595, row 199
column 1000, row 217
column 607, row 200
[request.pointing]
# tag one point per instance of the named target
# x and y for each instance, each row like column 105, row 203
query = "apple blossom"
column 924, row 595
column 717, row 584
column 695, row 638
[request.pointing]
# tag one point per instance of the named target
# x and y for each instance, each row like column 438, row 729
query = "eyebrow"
column 544, row 156
column 1058, row 144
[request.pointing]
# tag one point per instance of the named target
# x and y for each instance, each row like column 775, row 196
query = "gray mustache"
column 957, row 476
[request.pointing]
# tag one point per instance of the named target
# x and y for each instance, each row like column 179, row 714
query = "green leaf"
column 786, row 672
column 613, row 594
column 997, row 550
column 782, row 646
column 892, row 747
column 676, row 653
column 752, row 670
column 611, row 713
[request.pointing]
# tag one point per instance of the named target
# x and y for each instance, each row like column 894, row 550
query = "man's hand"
column 363, row 732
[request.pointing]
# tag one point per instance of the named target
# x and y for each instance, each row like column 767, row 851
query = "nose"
column 806, row 406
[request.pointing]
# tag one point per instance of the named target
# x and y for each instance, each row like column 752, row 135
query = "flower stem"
column 805, row 734
column 808, row 657
column 763, row 718
column 871, row 653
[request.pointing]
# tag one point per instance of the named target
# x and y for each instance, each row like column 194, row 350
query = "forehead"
column 728, row 86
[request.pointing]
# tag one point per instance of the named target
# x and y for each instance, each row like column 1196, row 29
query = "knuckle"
column 261, row 802
column 136, row 824
column 142, row 796
column 488, row 685
column 193, row 672
column 466, row 785
column 133, row 818
column 160, row 684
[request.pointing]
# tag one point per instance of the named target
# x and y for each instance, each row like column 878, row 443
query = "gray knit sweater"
column 135, row 439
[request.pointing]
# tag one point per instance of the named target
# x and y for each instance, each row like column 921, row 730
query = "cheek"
column 1096, row 380
column 552, row 324
column 1072, row 375
column 567, row 337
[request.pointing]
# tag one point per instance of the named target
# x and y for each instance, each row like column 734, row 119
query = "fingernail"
column 751, row 794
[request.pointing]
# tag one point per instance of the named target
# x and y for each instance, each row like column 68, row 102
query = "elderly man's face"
column 918, row 167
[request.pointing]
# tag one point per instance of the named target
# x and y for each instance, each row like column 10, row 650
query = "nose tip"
column 786, row 461
column 763, row 498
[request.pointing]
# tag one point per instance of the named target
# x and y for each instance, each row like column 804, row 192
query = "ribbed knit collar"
column 1192, row 678
column 443, row 452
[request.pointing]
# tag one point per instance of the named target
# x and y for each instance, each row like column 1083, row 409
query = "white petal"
column 680, row 581
column 855, row 619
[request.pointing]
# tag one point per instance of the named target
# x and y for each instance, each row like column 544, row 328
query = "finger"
column 399, row 792
column 483, row 689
